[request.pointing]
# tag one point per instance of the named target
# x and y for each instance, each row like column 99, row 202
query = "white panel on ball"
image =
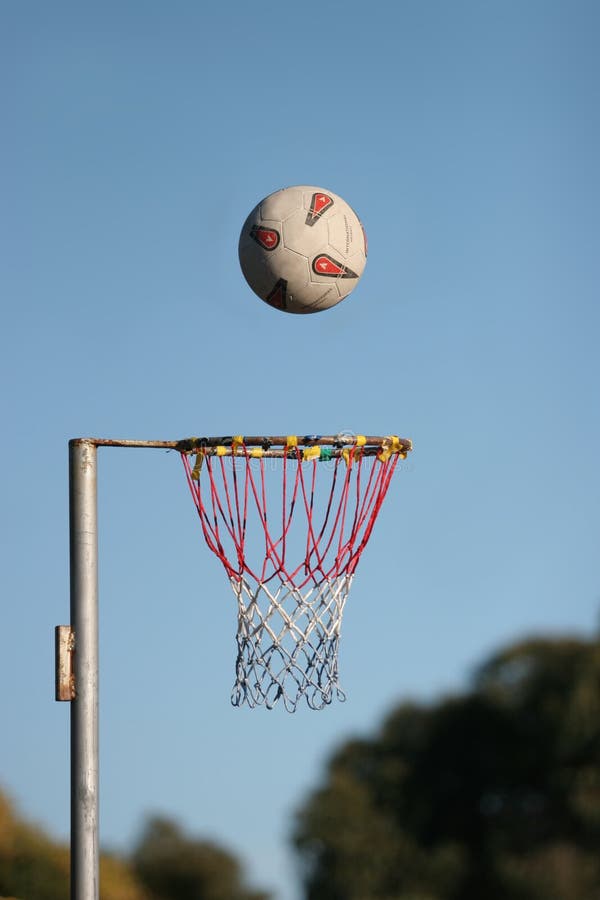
column 302, row 249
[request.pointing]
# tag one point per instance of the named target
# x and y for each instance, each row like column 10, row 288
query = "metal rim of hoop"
column 298, row 447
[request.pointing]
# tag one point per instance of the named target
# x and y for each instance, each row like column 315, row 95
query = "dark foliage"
column 173, row 866
column 493, row 794
column 167, row 865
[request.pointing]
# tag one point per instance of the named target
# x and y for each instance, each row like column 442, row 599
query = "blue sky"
column 136, row 139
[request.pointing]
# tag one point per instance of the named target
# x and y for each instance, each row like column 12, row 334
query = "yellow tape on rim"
column 198, row 465
column 311, row 453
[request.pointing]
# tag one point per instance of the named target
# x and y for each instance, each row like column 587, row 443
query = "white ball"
column 302, row 249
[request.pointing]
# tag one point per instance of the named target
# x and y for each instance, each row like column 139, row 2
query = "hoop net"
column 313, row 508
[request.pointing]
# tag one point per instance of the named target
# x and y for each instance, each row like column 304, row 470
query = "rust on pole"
column 64, row 676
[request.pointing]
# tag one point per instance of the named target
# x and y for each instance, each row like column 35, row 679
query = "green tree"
column 494, row 794
column 166, row 865
column 173, row 866
column 35, row 867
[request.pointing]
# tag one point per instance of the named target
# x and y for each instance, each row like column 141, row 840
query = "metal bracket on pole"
column 64, row 675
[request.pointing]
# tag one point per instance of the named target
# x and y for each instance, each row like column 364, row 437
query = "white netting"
column 288, row 642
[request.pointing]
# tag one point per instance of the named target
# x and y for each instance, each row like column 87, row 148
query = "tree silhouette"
column 35, row 867
column 166, row 865
column 173, row 866
column 494, row 794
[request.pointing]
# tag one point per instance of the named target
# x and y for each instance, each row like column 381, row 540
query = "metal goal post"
column 76, row 644
column 76, row 652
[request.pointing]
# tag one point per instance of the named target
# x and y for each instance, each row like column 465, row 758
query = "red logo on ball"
column 326, row 265
column 318, row 205
column 268, row 238
column 278, row 296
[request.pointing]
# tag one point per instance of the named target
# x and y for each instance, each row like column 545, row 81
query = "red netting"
column 310, row 531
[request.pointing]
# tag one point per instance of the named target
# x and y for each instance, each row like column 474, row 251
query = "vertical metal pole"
column 83, row 532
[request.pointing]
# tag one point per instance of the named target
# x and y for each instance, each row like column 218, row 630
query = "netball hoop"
column 289, row 518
